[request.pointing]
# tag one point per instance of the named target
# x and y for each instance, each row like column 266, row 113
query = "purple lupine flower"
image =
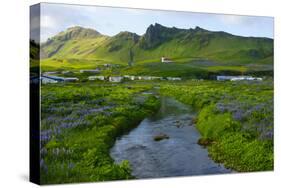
column 70, row 165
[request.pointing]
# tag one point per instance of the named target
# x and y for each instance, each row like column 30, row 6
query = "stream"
column 178, row 154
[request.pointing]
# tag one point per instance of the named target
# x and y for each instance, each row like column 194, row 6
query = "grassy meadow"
column 235, row 121
column 79, row 125
column 81, row 120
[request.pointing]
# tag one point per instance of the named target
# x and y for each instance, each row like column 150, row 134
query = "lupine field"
column 79, row 125
column 235, row 120
column 80, row 122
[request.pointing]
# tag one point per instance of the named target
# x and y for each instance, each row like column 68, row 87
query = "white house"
column 50, row 80
column 129, row 77
column 94, row 71
column 132, row 77
column 249, row 78
column 116, row 78
column 156, row 78
column 71, row 79
column 222, row 78
column 65, row 72
column 48, row 73
column 173, row 78
column 96, row 78
column 147, row 78
column 165, row 60
column 55, row 79
column 237, row 78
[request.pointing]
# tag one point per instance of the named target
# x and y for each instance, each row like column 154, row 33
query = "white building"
column 237, row 78
column 174, row 78
column 94, row 71
column 132, row 77
column 116, row 78
column 55, row 79
column 166, row 60
column 129, row 77
column 50, row 80
column 222, row 78
column 71, row 79
column 147, row 78
column 48, row 73
column 96, row 78
column 65, row 72
column 249, row 78
column 156, row 78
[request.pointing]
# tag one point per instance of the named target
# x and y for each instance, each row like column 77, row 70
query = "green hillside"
column 183, row 46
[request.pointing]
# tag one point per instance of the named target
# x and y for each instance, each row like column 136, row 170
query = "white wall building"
column 47, row 80
column 96, row 78
column 165, row 60
column 129, row 77
column 237, row 78
column 174, row 78
column 94, row 71
column 71, row 79
column 116, row 78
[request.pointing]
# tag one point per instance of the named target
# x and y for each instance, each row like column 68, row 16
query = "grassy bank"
column 80, row 123
column 235, row 120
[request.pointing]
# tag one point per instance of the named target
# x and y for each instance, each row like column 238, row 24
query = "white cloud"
column 233, row 19
column 134, row 11
column 48, row 22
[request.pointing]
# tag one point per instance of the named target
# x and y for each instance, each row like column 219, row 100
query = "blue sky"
column 110, row 21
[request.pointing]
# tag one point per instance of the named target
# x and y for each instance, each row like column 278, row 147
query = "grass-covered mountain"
column 183, row 46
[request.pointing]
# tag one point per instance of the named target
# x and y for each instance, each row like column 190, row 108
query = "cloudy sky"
column 110, row 21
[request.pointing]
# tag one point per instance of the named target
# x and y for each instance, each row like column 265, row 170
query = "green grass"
column 236, row 117
column 81, row 121
column 231, row 52
column 77, row 149
column 56, row 64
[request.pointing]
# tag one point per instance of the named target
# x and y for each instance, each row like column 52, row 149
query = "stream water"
column 178, row 155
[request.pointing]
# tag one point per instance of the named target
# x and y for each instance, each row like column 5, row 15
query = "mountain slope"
column 177, row 44
column 74, row 40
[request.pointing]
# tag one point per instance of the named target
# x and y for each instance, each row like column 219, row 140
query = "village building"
column 174, row 78
column 116, row 78
column 94, row 71
column 96, row 78
column 249, row 78
column 73, row 79
column 129, row 77
column 223, row 78
column 156, row 78
column 65, row 72
column 237, row 78
column 132, row 77
column 50, row 79
column 45, row 79
column 48, row 73
column 166, row 60
column 146, row 78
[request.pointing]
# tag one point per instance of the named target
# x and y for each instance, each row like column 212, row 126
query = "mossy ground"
column 235, row 118
column 80, row 123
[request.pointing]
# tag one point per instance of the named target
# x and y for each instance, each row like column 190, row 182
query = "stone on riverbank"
column 161, row 137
